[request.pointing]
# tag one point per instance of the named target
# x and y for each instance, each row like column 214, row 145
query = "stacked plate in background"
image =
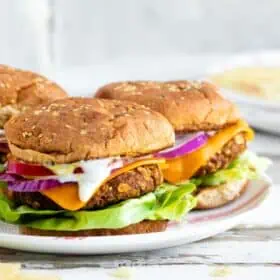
column 253, row 82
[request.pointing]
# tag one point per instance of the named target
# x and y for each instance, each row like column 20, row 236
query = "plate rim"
column 142, row 242
column 244, row 59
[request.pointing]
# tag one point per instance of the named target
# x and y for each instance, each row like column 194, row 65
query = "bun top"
column 76, row 129
column 21, row 90
column 189, row 106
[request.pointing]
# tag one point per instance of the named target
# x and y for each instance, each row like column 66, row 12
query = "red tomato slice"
column 31, row 170
column 28, row 169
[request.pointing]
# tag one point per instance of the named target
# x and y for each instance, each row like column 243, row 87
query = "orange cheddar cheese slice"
column 183, row 168
column 67, row 195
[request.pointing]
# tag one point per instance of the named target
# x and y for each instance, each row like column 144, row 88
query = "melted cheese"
column 71, row 196
column 94, row 173
column 67, row 196
column 183, row 168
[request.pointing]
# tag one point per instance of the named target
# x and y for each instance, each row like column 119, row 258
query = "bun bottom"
column 139, row 228
column 209, row 197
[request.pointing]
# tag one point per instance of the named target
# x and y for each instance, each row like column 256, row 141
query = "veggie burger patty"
column 132, row 184
column 196, row 109
column 230, row 151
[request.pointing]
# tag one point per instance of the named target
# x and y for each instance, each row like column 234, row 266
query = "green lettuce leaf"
column 10, row 214
column 167, row 203
column 173, row 201
column 247, row 166
column 2, row 167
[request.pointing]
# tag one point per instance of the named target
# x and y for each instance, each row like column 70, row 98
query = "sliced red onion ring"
column 185, row 144
column 19, row 184
column 33, row 185
column 121, row 162
column 4, row 177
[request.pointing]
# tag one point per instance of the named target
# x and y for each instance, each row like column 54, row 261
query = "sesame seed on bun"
column 75, row 129
column 189, row 106
column 21, row 90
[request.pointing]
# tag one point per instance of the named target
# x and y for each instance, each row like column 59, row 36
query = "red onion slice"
column 19, row 184
column 184, row 144
column 4, row 177
column 33, row 185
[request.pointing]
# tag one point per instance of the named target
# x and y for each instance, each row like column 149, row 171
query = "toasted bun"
column 189, row 106
column 22, row 90
column 140, row 228
column 212, row 197
column 76, row 129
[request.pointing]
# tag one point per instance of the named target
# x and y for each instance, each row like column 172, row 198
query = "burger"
column 211, row 137
column 19, row 91
column 85, row 167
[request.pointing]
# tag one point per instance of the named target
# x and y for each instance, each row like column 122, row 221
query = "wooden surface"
column 245, row 252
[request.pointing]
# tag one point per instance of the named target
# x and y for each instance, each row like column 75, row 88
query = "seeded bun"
column 217, row 196
column 140, row 228
column 22, row 90
column 189, row 106
column 76, row 129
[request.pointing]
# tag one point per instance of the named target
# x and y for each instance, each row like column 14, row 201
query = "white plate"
column 260, row 113
column 257, row 59
column 265, row 120
column 198, row 225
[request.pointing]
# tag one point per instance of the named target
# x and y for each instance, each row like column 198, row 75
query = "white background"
column 53, row 34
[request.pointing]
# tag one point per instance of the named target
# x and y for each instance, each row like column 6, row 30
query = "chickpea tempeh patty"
column 222, row 159
column 131, row 184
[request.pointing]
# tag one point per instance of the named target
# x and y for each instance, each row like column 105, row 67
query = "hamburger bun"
column 217, row 196
column 189, row 106
column 21, row 90
column 139, row 228
column 75, row 129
